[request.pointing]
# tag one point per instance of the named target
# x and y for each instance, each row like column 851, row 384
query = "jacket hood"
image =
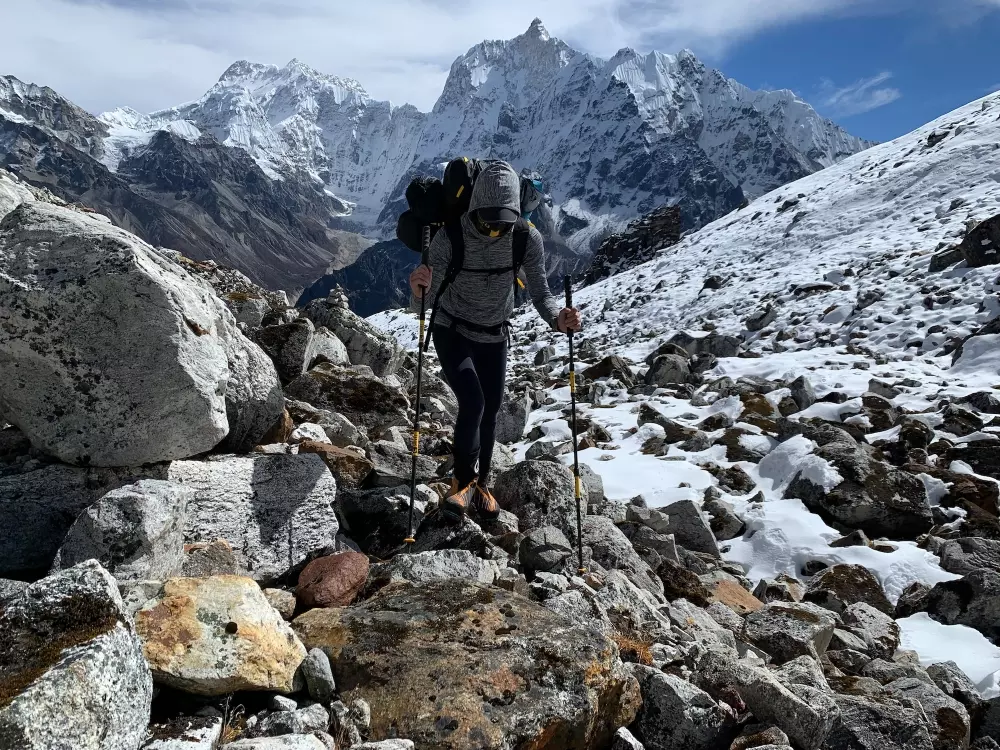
column 498, row 186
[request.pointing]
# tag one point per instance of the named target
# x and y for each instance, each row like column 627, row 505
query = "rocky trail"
column 790, row 464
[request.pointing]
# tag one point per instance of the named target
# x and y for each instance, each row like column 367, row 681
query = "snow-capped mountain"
column 176, row 187
column 612, row 138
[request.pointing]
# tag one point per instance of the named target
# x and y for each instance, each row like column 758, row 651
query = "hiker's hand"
column 569, row 320
column 421, row 277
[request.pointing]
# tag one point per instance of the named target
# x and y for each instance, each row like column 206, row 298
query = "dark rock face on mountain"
column 376, row 281
column 637, row 244
column 203, row 199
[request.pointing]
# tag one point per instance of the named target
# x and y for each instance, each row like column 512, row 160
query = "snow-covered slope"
column 843, row 257
column 613, row 139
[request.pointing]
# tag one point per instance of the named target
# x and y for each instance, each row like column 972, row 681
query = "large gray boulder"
column 539, row 493
column 968, row 554
column 948, row 720
column 136, row 532
column 274, row 510
column 690, row 528
column 787, row 630
column 38, row 507
column 119, row 357
column 973, row 601
column 877, row 725
column 513, row 418
column 676, row 714
column 73, row 672
column 366, row 344
column 873, row 495
column 544, row 549
column 612, row 550
column 805, row 714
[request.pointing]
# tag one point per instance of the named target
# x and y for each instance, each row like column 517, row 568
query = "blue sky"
column 923, row 65
column 878, row 67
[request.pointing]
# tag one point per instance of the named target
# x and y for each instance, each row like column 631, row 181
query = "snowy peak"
column 44, row 108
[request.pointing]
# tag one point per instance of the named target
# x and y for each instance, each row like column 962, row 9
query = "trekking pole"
column 425, row 246
column 568, row 284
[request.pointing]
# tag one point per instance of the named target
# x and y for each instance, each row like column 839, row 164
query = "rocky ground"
column 204, row 496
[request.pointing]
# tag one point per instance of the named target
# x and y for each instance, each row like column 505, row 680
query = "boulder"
column 725, row 524
column 839, row 586
column 969, row 554
column 624, row 740
column 363, row 399
column 313, row 718
column 872, row 495
column 761, row 318
column 339, row 429
column 539, row 493
column 788, row 630
column 973, row 601
column 171, row 375
column 947, row 722
column 512, row 418
column 391, row 465
column 877, row 725
column 981, row 246
column 612, row 550
column 204, row 559
column 285, row 742
column 668, row 370
column 290, row 346
column 326, row 347
column 676, row 714
column 378, row 519
column 802, row 392
column 275, row 511
column 349, row 467
column 878, row 630
column 72, row 673
column 956, row 684
column 318, row 676
column 424, row 567
column 366, row 344
column 38, row 507
column 136, row 532
column 332, row 581
column 219, row 635
column 612, row 367
column 690, row 528
column 544, row 549
column 283, row 601
column 545, row 683
column 681, row 583
column 805, row 714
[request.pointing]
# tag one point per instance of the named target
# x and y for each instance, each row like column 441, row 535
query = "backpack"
column 440, row 204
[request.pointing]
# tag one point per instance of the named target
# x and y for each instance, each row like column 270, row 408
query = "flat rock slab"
column 213, row 636
column 485, row 669
column 274, row 510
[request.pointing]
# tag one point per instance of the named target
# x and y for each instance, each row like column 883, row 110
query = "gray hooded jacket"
column 488, row 299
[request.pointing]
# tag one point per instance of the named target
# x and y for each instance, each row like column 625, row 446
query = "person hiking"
column 471, row 328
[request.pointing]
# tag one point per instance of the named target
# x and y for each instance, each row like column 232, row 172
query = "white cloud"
column 150, row 54
column 857, row 98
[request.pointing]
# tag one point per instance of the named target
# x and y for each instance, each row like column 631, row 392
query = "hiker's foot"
column 485, row 504
column 457, row 503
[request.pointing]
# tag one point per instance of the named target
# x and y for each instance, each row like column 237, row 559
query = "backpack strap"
column 454, row 231
column 522, row 233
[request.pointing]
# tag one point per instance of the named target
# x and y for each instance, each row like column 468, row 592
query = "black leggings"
column 476, row 373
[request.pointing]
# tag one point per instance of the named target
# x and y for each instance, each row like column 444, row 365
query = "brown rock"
column 681, row 583
column 455, row 665
column 349, row 468
column 332, row 581
column 205, row 559
column 756, row 403
column 281, row 432
column 735, row 597
column 281, row 600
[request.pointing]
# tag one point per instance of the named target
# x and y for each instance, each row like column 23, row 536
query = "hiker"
column 471, row 328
